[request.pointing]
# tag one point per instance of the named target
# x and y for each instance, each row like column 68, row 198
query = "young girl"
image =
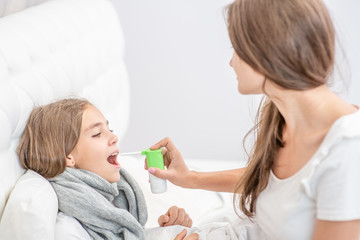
column 303, row 173
column 70, row 143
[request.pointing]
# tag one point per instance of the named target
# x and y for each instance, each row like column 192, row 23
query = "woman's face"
column 96, row 150
column 249, row 81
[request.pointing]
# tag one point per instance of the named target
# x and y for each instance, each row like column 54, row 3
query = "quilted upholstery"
column 53, row 50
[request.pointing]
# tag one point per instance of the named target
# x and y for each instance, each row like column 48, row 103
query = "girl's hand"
column 175, row 216
column 177, row 172
column 183, row 233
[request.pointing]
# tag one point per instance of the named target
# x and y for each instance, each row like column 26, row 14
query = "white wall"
column 346, row 18
column 11, row 6
column 178, row 53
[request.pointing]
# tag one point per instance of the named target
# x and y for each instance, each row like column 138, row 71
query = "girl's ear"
column 70, row 162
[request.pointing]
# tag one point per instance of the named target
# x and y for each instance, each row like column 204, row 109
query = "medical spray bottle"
column 155, row 159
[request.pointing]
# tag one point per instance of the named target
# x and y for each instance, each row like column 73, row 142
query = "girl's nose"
column 113, row 139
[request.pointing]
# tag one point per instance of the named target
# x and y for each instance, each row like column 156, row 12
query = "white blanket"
column 240, row 229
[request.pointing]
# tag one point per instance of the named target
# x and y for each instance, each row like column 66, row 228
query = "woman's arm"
column 220, row 181
column 337, row 230
column 178, row 173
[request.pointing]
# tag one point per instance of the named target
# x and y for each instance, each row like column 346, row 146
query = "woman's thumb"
column 160, row 173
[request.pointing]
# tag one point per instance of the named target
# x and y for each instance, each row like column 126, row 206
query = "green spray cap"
column 154, row 158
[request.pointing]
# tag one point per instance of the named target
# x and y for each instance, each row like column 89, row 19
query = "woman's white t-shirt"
column 326, row 188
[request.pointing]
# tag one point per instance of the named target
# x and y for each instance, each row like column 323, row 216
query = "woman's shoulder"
column 341, row 146
column 345, row 129
column 346, row 126
column 338, row 155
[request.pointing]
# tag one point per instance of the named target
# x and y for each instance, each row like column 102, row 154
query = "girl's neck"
column 308, row 112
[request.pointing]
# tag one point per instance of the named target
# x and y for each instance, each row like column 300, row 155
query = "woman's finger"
column 181, row 235
column 145, row 164
column 166, row 142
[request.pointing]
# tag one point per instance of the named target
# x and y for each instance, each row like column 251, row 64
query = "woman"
column 301, row 179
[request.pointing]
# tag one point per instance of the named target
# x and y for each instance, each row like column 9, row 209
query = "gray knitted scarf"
column 110, row 211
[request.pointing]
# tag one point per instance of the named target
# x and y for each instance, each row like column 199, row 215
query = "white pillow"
column 31, row 210
column 68, row 228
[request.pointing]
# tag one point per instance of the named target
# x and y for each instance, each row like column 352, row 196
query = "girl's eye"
column 97, row 135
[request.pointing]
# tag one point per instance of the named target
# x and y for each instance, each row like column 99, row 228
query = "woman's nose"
column 230, row 63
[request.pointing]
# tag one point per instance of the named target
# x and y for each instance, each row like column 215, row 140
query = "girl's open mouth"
column 112, row 159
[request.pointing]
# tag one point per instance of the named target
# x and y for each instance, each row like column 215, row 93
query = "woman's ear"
column 70, row 162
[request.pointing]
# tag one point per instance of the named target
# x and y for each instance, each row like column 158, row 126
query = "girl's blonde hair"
column 292, row 44
column 50, row 134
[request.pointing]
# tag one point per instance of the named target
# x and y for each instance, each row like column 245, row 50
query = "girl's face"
column 96, row 150
column 249, row 81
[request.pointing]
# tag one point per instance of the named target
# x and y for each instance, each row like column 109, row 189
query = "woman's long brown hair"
column 292, row 44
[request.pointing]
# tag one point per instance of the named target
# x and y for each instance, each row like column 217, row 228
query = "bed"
column 64, row 48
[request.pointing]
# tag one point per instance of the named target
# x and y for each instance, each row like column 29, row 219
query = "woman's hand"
column 175, row 216
column 177, row 172
column 183, row 233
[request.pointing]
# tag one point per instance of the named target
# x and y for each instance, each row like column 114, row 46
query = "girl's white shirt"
column 326, row 188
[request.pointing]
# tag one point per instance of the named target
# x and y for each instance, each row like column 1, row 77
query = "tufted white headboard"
column 58, row 49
